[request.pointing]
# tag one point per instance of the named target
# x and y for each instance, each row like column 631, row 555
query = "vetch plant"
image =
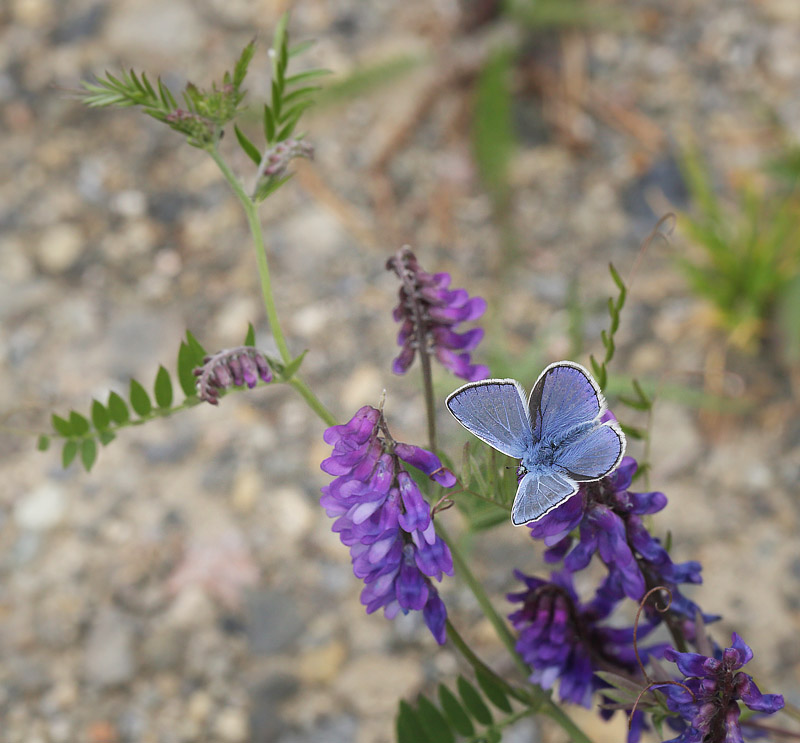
column 390, row 501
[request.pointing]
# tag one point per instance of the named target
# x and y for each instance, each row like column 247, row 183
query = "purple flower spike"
column 563, row 641
column 608, row 518
column 384, row 520
column 429, row 312
column 233, row 366
column 709, row 710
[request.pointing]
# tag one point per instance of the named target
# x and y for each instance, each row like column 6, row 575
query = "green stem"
column 430, row 404
column 499, row 624
column 455, row 637
column 251, row 210
column 313, row 401
column 549, row 707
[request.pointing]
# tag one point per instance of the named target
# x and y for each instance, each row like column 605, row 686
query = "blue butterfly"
column 557, row 434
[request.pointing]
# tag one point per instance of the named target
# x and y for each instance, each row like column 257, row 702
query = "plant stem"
column 499, row 624
column 549, row 707
column 313, row 401
column 430, row 404
column 455, row 637
column 251, row 210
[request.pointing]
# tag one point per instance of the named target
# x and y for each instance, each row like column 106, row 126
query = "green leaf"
column 433, row 721
column 287, row 129
column 300, row 47
column 366, row 78
column 303, row 77
column 291, row 368
column 240, row 70
column 634, row 403
column 100, row 417
column 118, row 409
column 43, row 443
column 68, row 452
column 492, row 735
column 493, row 137
column 186, row 367
column 198, row 352
column 279, row 44
column 106, row 437
column 163, row 388
column 140, row 401
column 88, row 453
column 473, row 701
column 295, row 95
column 455, row 713
column 60, row 425
column 409, row 728
column 250, row 338
column 249, row 148
column 633, row 432
column 269, row 125
column 78, row 423
column 269, row 187
column 493, row 691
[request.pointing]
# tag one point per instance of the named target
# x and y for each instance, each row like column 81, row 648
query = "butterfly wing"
column 494, row 410
column 539, row 494
column 593, row 455
column 564, row 396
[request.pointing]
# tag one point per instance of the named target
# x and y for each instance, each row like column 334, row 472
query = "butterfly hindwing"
column 564, row 396
column 594, row 455
column 538, row 494
column 495, row 411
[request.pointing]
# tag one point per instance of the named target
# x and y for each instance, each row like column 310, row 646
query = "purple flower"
column 428, row 312
column 562, row 639
column 384, row 520
column 233, row 366
column 708, row 708
column 608, row 519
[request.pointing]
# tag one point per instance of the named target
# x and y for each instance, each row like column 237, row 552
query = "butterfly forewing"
column 594, row 455
column 564, row 396
column 494, row 410
column 538, row 494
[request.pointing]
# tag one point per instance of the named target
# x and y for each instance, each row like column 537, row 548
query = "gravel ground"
column 189, row 588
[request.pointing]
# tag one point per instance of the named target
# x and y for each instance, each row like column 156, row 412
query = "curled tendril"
column 442, row 504
column 653, row 685
column 659, row 609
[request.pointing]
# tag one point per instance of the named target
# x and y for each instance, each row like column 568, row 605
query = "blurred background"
column 189, row 588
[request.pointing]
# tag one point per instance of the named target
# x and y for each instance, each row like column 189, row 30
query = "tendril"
column 659, row 609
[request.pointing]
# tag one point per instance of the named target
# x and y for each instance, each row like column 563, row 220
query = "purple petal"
column 745, row 653
column 733, row 731
column 692, row 664
column 435, row 615
column 750, row 694
column 426, row 461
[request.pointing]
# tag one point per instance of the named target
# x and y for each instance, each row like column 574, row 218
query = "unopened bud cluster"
column 231, row 367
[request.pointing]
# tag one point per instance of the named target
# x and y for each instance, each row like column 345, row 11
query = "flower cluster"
column 276, row 160
column 563, row 640
column 233, row 366
column 384, row 520
column 707, row 702
column 608, row 518
column 429, row 311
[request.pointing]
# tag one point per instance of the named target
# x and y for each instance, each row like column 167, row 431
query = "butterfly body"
column 557, row 434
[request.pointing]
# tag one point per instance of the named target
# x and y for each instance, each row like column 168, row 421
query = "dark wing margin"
column 537, row 495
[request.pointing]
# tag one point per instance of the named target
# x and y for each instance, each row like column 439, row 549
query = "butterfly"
column 557, row 434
